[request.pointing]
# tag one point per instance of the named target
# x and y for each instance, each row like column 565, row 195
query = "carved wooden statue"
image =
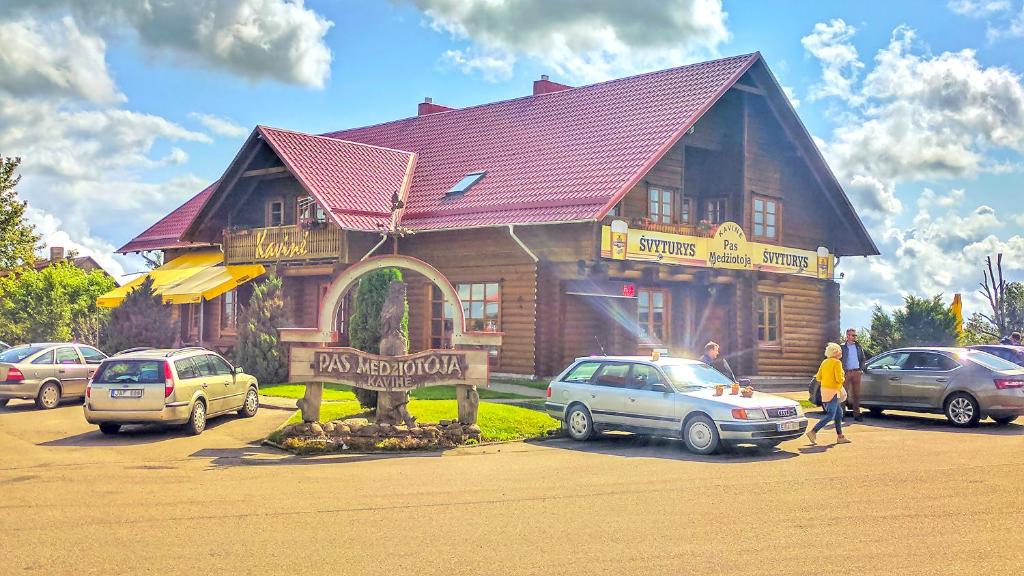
column 392, row 407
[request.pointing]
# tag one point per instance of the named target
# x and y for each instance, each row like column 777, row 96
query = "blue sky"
column 122, row 110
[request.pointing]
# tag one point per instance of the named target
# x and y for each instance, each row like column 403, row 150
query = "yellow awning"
column 188, row 279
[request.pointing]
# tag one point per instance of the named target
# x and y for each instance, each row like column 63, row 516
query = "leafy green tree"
column 364, row 328
column 258, row 347
column 978, row 330
column 920, row 322
column 57, row 303
column 142, row 319
column 18, row 239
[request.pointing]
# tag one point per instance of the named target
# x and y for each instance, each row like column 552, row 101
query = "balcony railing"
column 283, row 244
column 683, row 229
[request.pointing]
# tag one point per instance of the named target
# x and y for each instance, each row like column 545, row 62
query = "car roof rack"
column 130, row 350
column 183, row 350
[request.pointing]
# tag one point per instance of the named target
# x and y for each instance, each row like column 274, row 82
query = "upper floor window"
column 715, row 210
column 668, row 206
column 309, row 210
column 275, row 213
column 766, row 218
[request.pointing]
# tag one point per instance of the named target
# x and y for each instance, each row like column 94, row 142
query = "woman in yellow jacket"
column 831, row 376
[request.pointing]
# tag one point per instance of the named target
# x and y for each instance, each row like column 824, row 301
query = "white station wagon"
column 668, row 397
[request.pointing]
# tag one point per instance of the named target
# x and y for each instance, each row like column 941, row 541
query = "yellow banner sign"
column 727, row 248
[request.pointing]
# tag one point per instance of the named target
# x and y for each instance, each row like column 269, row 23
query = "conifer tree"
column 258, row 348
column 18, row 238
column 364, row 328
column 142, row 319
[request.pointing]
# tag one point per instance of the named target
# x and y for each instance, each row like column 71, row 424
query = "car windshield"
column 130, row 372
column 991, row 362
column 695, row 376
column 18, row 353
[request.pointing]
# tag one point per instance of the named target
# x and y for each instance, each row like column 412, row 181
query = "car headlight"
column 748, row 414
column 799, row 410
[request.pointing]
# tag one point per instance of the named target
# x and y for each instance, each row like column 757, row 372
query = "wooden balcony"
column 283, row 244
column 683, row 229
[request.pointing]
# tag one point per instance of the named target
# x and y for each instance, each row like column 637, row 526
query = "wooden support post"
column 309, row 404
column 468, row 400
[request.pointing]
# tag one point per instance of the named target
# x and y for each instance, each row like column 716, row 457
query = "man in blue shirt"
column 712, row 358
column 853, row 363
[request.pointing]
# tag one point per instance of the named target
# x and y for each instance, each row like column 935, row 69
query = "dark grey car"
column 965, row 385
column 1014, row 354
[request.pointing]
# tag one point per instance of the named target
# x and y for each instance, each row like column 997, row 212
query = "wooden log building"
column 658, row 211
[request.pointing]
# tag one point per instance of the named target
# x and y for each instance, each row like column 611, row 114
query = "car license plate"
column 126, row 393
column 789, row 426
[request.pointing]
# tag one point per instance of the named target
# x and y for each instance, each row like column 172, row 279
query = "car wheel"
column 876, row 412
column 197, row 420
column 1004, row 420
column 251, row 404
column 701, row 435
column 48, row 397
column 4, row 402
column 962, row 410
column 110, row 428
column 580, row 423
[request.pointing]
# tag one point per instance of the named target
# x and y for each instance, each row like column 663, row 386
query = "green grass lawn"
column 541, row 384
column 343, row 393
column 497, row 421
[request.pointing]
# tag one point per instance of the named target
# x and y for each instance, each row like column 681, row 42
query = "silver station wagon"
column 670, row 397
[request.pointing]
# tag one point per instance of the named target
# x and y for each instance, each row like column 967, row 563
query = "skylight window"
column 466, row 183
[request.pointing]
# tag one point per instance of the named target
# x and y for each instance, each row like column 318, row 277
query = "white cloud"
column 583, row 41
column 52, row 232
column 220, row 126
column 259, row 39
column 978, row 8
column 54, row 58
column 493, row 67
column 1013, row 28
column 831, row 44
column 924, row 116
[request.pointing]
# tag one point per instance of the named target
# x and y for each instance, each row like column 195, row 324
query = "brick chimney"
column 428, row 107
column 545, row 86
column 56, row 253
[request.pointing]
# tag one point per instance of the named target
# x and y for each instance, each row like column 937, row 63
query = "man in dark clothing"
column 853, row 364
column 711, row 357
column 1015, row 339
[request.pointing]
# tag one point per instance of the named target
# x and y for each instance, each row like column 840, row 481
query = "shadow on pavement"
column 640, row 446
column 131, row 435
column 258, row 455
column 897, row 420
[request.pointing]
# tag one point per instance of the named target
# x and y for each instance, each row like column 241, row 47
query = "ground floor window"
column 481, row 306
column 769, row 309
column 229, row 310
column 652, row 315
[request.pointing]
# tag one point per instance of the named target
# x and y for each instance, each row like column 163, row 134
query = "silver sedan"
column 965, row 385
column 668, row 397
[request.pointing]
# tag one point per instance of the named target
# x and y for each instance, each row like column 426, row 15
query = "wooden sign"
column 389, row 373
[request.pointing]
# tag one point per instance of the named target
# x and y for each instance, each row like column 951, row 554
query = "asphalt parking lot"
column 909, row 496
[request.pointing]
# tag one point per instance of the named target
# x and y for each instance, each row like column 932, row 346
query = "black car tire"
column 1004, row 420
column 4, row 402
column 962, row 410
column 579, row 423
column 250, row 405
column 701, row 435
column 877, row 412
column 110, row 429
column 197, row 419
column 48, row 397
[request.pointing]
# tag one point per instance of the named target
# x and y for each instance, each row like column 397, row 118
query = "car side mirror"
column 659, row 388
column 238, row 370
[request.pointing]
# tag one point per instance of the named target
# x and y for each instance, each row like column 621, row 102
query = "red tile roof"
column 355, row 182
column 563, row 156
column 166, row 233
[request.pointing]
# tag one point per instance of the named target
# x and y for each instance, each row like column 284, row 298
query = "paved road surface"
column 910, row 496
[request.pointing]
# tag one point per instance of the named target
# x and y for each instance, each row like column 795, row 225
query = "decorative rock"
column 316, row 429
column 370, row 430
column 384, row 429
column 473, row 429
column 329, row 428
column 342, row 429
column 401, row 431
column 356, row 421
column 444, row 423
